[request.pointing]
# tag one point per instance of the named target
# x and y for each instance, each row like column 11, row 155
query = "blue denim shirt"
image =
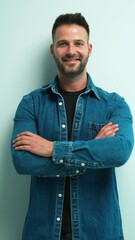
column 90, row 163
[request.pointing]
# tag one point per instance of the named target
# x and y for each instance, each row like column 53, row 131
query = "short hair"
column 70, row 18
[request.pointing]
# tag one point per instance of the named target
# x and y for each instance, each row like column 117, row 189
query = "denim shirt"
column 90, row 163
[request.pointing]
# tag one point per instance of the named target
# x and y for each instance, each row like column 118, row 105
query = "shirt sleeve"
column 26, row 162
column 104, row 152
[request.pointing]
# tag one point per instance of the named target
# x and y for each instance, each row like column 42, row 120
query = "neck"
column 72, row 84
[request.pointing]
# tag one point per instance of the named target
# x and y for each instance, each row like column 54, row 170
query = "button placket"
column 62, row 118
column 74, row 206
column 77, row 118
column 59, row 201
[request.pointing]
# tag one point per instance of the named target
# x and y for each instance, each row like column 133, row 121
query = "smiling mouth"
column 70, row 59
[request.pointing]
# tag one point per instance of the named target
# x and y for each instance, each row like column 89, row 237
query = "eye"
column 79, row 43
column 62, row 44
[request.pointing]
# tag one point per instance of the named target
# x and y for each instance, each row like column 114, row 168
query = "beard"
column 71, row 72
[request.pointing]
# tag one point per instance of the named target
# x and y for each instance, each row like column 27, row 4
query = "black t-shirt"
column 70, row 99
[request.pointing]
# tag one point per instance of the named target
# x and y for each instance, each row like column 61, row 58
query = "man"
column 69, row 136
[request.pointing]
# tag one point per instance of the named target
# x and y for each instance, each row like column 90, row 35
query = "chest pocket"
column 94, row 129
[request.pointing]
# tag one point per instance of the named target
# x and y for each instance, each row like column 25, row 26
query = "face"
column 71, row 50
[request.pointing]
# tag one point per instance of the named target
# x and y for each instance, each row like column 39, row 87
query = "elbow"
column 18, row 167
column 125, row 153
column 19, row 170
column 18, row 163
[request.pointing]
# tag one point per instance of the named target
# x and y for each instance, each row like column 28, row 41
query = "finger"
column 23, row 148
column 109, row 127
column 111, row 131
column 26, row 133
column 114, row 126
column 20, row 138
column 21, row 143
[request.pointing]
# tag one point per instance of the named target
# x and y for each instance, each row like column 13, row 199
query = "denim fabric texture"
column 90, row 163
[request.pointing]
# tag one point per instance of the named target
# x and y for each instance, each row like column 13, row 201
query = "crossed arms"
column 27, row 141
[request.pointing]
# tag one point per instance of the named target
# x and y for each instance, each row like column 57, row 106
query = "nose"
column 71, row 49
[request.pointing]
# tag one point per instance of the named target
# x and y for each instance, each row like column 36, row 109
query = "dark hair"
column 70, row 18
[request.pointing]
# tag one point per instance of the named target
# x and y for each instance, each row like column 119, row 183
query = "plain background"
column 26, row 64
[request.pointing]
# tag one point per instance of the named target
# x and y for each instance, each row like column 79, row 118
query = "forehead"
column 70, row 32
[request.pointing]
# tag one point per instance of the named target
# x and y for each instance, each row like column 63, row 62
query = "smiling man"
column 70, row 136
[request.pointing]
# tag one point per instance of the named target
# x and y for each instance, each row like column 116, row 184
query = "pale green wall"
column 25, row 64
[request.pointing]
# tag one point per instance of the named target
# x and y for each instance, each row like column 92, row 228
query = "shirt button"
column 76, row 125
column 74, row 195
column 60, row 103
column 57, row 175
column 61, row 161
column 58, row 219
column 75, row 216
column 63, row 125
column 77, row 171
column 82, row 164
column 60, row 195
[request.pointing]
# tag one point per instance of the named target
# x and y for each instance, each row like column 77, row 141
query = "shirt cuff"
column 62, row 152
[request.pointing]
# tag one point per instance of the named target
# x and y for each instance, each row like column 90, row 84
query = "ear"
column 90, row 48
column 52, row 49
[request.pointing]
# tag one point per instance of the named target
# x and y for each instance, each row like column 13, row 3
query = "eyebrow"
column 66, row 41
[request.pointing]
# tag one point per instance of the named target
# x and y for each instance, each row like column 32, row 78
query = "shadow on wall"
column 14, row 191
column 48, row 67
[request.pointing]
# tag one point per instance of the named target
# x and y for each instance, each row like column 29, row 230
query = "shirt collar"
column 89, row 88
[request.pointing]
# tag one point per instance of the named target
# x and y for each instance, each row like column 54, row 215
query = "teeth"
column 70, row 59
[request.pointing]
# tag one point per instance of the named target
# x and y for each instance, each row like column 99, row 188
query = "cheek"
column 87, row 53
column 58, row 53
column 84, row 54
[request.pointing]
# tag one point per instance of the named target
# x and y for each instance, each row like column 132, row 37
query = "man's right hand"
column 27, row 141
